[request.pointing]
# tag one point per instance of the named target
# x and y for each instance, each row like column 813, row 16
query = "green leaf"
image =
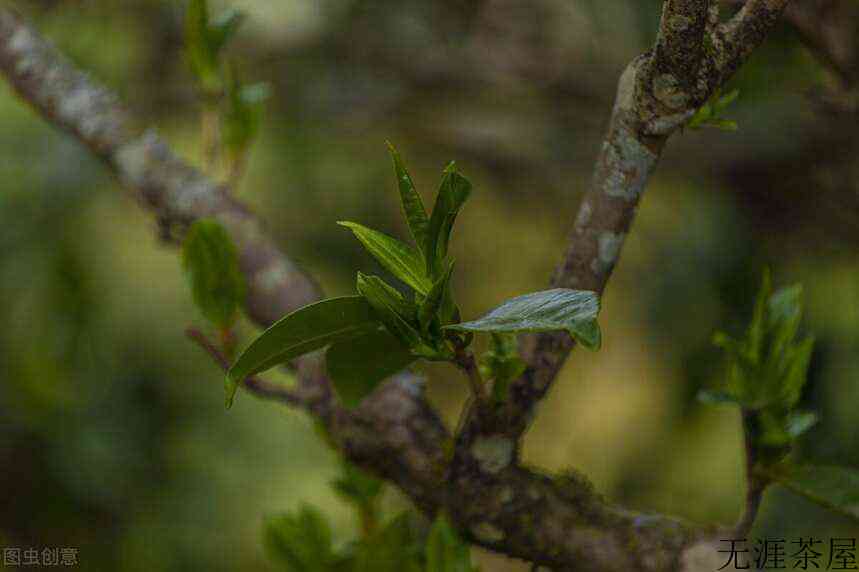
column 452, row 194
column 445, row 551
column 502, row 364
column 391, row 309
column 202, row 59
column 432, row 305
column 357, row 487
column 356, row 366
column 413, row 205
column 307, row 329
column 400, row 259
column 836, row 488
column 223, row 28
column 560, row 309
column 393, row 549
column 300, row 542
column 243, row 114
column 212, row 267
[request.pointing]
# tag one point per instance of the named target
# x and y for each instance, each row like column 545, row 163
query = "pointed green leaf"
column 560, row 309
column 413, row 205
column 390, row 308
column 399, row 259
column 836, row 488
column 452, row 194
column 445, row 551
column 300, row 542
column 242, row 116
column 356, row 366
column 212, row 266
column 307, row 329
column 202, row 59
column 433, row 303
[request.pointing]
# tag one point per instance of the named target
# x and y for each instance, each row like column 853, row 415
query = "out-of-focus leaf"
column 445, row 551
column 224, row 27
column 836, row 488
column 243, row 114
column 202, row 59
column 452, row 194
column 356, row 486
column 502, row 364
column 307, row 329
column 212, row 266
column 560, row 309
column 393, row 549
column 398, row 258
column 300, row 542
column 413, row 206
column 357, row 365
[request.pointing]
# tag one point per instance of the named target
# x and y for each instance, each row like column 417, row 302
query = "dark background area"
column 113, row 437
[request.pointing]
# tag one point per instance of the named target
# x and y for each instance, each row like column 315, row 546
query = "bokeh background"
column 113, row 437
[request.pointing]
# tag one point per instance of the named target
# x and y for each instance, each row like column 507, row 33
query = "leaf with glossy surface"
column 398, row 258
column 836, row 488
column 212, row 266
column 574, row 311
column 445, row 551
column 307, row 329
column 413, row 205
column 356, row 366
column 452, row 194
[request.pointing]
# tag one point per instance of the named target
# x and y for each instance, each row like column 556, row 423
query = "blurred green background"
column 113, row 436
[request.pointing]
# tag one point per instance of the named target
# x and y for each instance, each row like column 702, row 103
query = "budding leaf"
column 391, row 309
column 357, row 365
column 836, row 488
column 502, row 364
column 445, row 551
column 243, row 114
column 223, row 28
column 307, row 329
column 432, row 305
column 212, row 267
column 574, row 311
column 452, row 194
column 413, row 206
column 398, row 258
column 300, row 542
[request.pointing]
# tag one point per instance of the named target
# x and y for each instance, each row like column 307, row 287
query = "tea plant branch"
column 657, row 94
column 556, row 522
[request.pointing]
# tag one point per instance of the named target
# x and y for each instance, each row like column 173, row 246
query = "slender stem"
column 464, row 359
column 253, row 384
column 211, row 133
column 756, row 484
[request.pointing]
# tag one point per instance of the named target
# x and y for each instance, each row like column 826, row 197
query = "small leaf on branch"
column 398, row 258
column 357, row 365
column 452, row 194
column 574, row 311
column 445, row 551
column 413, row 206
column 300, row 542
column 307, row 329
column 212, row 266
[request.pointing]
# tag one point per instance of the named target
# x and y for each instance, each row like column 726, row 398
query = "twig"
column 253, row 383
column 755, row 483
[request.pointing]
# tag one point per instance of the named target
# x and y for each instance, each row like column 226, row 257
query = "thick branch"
column 745, row 32
column 679, row 48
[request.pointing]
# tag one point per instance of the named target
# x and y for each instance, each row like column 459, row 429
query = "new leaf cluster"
column 380, row 331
